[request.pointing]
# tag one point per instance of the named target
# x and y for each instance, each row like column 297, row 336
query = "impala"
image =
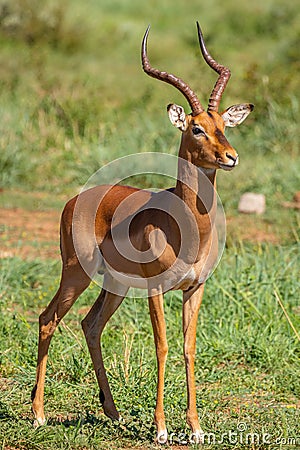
column 159, row 241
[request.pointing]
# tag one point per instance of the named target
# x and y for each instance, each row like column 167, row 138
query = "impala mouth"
column 226, row 166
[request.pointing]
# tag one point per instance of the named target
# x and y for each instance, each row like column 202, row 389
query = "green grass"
column 247, row 366
column 73, row 98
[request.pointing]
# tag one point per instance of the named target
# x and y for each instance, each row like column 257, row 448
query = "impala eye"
column 197, row 131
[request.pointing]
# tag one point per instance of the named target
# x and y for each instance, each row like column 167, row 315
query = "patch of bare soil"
column 35, row 234
column 29, row 234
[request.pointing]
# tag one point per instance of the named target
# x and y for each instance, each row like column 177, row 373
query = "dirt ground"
column 29, row 234
column 35, row 234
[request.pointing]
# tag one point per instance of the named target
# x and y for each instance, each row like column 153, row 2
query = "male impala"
column 160, row 241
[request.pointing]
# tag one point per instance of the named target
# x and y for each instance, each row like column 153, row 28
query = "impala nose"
column 235, row 159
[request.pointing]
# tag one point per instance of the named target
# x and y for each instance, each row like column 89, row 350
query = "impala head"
column 203, row 139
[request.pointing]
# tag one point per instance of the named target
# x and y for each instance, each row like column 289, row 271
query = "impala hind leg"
column 191, row 305
column 73, row 282
column 93, row 325
column 159, row 331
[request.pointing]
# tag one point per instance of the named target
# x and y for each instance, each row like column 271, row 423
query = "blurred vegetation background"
column 73, row 95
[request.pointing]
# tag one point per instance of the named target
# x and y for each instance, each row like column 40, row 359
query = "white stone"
column 251, row 203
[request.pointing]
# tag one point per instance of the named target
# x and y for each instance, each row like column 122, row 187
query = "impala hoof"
column 197, row 437
column 113, row 415
column 39, row 422
column 109, row 407
column 162, row 437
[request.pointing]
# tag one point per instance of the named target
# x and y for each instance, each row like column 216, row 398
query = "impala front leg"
column 159, row 331
column 191, row 305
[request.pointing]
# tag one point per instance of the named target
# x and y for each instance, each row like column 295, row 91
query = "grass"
column 247, row 358
column 73, row 98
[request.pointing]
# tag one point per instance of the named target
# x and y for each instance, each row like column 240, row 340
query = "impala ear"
column 177, row 116
column 236, row 114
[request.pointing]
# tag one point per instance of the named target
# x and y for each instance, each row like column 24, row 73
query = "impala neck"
column 196, row 186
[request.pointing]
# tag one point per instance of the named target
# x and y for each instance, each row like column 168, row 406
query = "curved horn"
column 171, row 79
column 224, row 75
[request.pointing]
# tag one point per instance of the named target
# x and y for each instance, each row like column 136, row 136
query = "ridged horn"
column 224, row 75
column 169, row 78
